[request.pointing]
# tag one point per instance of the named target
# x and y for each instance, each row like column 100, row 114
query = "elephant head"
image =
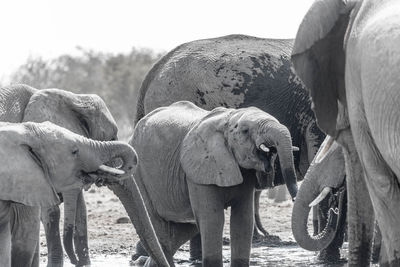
column 227, row 140
column 42, row 159
column 84, row 114
column 325, row 174
column 318, row 58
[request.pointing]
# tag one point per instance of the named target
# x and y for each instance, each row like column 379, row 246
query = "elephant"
column 346, row 54
column 323, row 188
column 40, row 160
column 236, row 71
column 84, row 114
column 195, row 163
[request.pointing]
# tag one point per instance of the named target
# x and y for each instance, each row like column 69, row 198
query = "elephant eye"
column 245, row 131
column 75, row 151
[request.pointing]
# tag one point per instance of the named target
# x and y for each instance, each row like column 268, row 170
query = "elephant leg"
column 360, row 211
column 332, row 252
column 25, row 227
column 258, row 227
column 385, row 193
column 195, row 248
column 241, row 231
column 376, row 249
column 172, row 236
column 80, row 233
column 50, row 218
column 5, row 234
column 208, row 209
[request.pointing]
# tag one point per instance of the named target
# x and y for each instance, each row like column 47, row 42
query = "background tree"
column 114, row 77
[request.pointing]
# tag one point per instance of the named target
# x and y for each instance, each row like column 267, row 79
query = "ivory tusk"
column 321, row 196
column 264, row 148
column 322, row 152
column 111, row 170
column 295, row 148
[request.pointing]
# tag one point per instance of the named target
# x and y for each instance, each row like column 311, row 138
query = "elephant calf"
column 195, row 163
column 40, row 160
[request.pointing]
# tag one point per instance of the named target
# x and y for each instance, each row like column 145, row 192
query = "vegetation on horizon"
column 114, row 77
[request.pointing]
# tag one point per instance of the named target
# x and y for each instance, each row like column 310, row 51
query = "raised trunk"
column 70, row 205
column 130, row 197
column 110, row 151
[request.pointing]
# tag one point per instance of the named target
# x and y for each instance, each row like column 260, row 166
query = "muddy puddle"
column 287, row 255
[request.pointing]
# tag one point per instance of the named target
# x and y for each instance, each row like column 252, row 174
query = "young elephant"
column 195, row 163
column 40, row 160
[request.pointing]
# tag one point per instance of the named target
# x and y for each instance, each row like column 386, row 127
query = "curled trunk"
column 129, row 195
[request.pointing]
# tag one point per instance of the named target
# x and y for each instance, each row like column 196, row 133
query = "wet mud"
column 112, row 239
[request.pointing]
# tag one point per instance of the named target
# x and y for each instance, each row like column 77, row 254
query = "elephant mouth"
column 106, row 174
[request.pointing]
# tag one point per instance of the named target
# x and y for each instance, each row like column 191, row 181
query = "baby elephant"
column 40, row 160
column 195, row 163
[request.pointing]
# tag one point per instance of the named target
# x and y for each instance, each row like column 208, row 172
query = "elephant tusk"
column 295, row 148
column 321, row 196
column 111, row 170
column 264, row 148
column 322, row 152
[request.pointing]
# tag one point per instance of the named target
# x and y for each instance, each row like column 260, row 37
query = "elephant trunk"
column 308, row 192
column 129, row 195
column 109, row 152
column 285, row 153
column 70, row 207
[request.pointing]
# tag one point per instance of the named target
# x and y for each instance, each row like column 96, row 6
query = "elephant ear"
column 22, row 178
column 318, row 57
column 205, row 157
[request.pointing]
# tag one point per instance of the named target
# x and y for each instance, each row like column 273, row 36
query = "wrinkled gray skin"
column 39, row 161
column 348, row 55
column 326, row 172
column 83, row 114
column 202, row 162
column 86, row 115
column 237, row 71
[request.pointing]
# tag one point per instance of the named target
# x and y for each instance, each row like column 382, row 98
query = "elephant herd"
column 216, row 120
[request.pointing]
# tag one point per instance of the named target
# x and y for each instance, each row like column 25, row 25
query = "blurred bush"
column 114, row 77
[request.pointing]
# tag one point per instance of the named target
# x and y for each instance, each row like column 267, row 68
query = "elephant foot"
column 139, row 261
column 329, row 255
column 140, row 251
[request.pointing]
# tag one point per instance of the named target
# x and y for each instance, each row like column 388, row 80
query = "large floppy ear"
column 318, row 57
column 205, row 157
column 63, row 108
column 22, row 177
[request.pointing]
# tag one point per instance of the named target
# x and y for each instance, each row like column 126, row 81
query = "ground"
column 112, row 243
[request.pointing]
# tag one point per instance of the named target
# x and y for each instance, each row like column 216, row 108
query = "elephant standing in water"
column 40, row 160
column 205, row 161
column 236, row 71
column 347, row 54
column 83, row 114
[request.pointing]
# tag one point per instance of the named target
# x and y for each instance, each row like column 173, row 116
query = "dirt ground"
column 112, row 243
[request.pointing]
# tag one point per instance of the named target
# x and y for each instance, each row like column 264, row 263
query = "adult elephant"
column 236, row 71
column 40, row 160
column 204, row 161
column 83, row 114
column 346, row 53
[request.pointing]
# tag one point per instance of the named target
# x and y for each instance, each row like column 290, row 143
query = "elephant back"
column 13, row 100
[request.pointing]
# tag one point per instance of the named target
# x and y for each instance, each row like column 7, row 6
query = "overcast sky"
column 49, row 28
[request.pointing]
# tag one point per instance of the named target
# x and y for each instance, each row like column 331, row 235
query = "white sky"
column 49, row 28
